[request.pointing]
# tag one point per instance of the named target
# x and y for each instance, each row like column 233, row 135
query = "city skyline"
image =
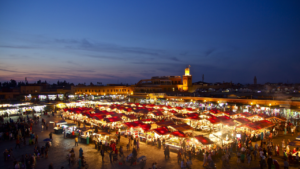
column 119, row 42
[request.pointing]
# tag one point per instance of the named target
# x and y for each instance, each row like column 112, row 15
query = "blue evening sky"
column 125, row 41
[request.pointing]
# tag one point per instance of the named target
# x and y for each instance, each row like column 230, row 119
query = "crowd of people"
column 21, row 132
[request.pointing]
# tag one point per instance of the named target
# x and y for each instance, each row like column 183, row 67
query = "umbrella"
column 47, row 139
column 295, row 143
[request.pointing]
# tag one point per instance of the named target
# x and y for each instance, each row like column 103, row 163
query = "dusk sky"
column 125, row 41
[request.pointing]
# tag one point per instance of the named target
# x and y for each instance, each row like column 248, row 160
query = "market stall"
column 58, row 129
column 86, row 135
column 175, row 140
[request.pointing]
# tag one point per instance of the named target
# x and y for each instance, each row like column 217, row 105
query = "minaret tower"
column 186, row 79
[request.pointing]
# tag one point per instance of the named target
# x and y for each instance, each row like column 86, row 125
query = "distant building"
column 255, row 80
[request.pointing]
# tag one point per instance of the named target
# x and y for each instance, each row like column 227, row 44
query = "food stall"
column 58, row 129
column 175, row 140
column 241, row 121
column 188, row 130
column 201, row 142
column 86, row 135
column 259, row 128
column 138, row 129
column 161, row 133
column 101, row 136
column 129, row 118
column 70, row 129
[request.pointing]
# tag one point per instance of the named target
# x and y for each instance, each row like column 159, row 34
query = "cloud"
column 209, row 51
column 6, row 70
column 16, row 47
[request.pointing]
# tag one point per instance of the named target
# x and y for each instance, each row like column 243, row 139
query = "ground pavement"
column 61, row 146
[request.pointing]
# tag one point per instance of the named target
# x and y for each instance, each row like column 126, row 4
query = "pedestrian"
column 238, row 154
column 243, row 157
column 80, row 152
column 285, row 164
column 262, row 163
column 255, row 154
column 179, row 157
column 17, row 143
column 50, row 135
column 50, row 166
column 76, row 141
column 36, row 139
column 121, row 151
column 143, row 164
column 249, row 158
column 189, row 164
column 111, row 156
column 102, row 154
column 270, row 162
column 167, row 152
column 182, row 165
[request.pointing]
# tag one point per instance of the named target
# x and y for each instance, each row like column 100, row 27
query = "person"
column 76, row 141
column 36, row 139
column 80, row 152
column 243, row 157
column 178, row 156
column 79, row 162
column 111, row 156
column 189, row 164
column 121, row 151
column 255, row 154
column 238, row 154
column 143, row 164
column 285, row 164
column 249, row 158
column 102, row 154
column 262, row 162
column 270, row 162
column 50, row 166
column 182, row 165
column 17, row 143
column 50, row 135
column 154, row 165
column 167, row 152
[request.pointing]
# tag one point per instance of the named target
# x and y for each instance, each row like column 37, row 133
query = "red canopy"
column 190, row 109
column 157, row 113
column 229, row 113
column 145, row 127
column 153, row 120
column 172, row 111
column 113, row 119
column 246, row 114
column 226, row 120
column 214, row 120
column 165, row 123
column 204, row 140
column 169, row 107
column 242, row 120
column 131, row 117
column 259, row 125
column 98, row 117
column 133, row 124
column 161, row 131
column 215, row 111
column 178, row 134
column 179, row 108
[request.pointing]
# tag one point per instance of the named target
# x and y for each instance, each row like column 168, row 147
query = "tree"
column 13, row 83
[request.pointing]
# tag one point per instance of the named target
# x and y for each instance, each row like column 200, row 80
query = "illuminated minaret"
column 186, row 79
